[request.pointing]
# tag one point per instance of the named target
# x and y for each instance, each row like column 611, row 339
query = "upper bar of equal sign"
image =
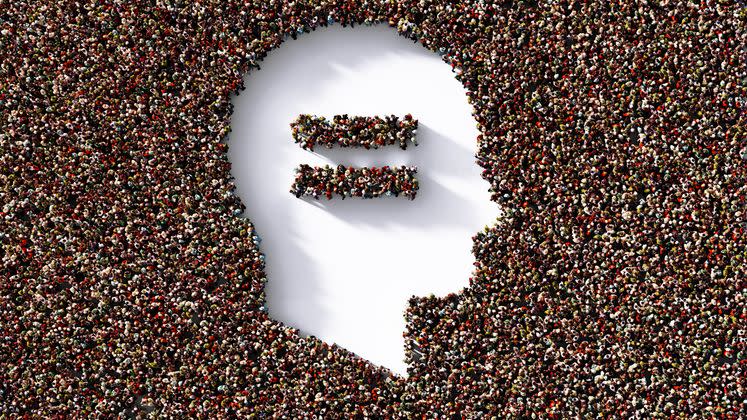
column 354, row 131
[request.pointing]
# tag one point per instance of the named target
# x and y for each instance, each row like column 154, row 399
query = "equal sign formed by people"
column 366, row 132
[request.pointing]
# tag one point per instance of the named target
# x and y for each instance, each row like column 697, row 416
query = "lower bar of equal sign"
column 347, row 181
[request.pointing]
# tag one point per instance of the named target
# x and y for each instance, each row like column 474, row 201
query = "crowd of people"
column 354, row 131
column 348, row 181
column 612, row 133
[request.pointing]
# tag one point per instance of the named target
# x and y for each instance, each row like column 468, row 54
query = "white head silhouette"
column 344, row 270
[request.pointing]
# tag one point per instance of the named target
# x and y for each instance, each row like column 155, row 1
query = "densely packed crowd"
column 355, row 131
column 355, row 182
column 613, row 134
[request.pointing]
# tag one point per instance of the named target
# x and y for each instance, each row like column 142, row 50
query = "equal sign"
column 366, row 132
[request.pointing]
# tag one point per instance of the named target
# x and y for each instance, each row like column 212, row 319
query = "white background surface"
column 344, row 270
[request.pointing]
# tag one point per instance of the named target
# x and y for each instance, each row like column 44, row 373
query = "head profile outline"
column 343, row 271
